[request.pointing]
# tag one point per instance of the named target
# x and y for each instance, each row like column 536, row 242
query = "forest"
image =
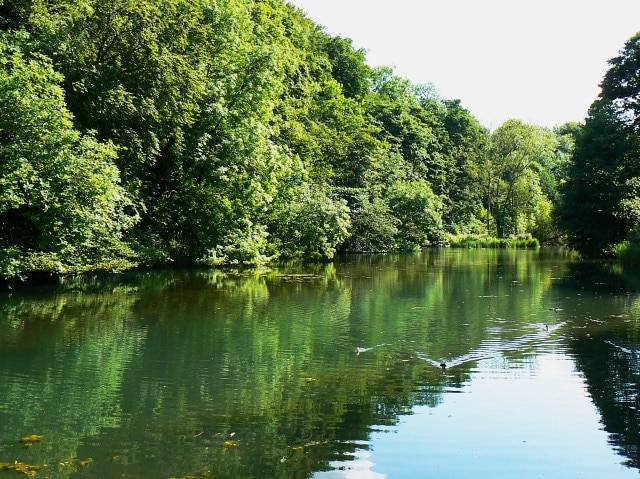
column 238, row 132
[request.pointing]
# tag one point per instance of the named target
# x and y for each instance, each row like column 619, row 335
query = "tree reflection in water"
column 258, row 375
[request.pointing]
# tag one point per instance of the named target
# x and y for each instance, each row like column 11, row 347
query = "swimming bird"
column 360, row 350
column 443, row 364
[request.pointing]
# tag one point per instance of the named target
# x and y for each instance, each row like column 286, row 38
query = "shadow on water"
column 606, row 346
column 279, row 373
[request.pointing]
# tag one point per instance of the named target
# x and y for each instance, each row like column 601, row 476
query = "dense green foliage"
column 61, row 204
column 602, row 195
column 237, row 132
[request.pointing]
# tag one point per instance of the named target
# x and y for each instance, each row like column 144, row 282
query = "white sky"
column 538, row 61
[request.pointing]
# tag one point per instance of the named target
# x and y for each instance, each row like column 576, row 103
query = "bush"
column 311, row 224
column 62, row 207
column 373, row 227
column 419, row 211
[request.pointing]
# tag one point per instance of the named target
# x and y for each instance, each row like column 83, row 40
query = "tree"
column 412, row 129
column 418, row 210
column 374, row 228
column 467, row 146
column 238, row 131
column 600, row 193
column 590, row 209
column 510, row 177
column 621, row 84
column 62, row 208
column 186, row 92
column 349, row 67
column 310, row 223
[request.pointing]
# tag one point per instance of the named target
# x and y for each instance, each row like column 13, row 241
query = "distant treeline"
column 235, row 132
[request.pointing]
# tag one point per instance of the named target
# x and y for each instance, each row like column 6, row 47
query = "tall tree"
column 600, row 195
column 590, row 210
column 419, row 211
column 510, row 186
column 349, row 67
column 467, row 146
column 621, row 83
column 412, row 129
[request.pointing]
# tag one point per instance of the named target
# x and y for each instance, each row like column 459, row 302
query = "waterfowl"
column 443, row 364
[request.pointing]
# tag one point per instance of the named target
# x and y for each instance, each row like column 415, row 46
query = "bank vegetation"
column 238, row 132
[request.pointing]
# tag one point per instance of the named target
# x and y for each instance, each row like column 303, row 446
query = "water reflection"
column 307, row 370
column 532, row 421
column 604, row 312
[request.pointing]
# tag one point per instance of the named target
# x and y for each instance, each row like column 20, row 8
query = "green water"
column 329, row 371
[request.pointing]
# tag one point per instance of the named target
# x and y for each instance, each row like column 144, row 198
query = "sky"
column 537, row 61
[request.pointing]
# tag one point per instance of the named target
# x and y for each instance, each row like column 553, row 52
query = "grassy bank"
column 470, row 241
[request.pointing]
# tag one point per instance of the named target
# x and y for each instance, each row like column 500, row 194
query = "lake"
column 328, row 371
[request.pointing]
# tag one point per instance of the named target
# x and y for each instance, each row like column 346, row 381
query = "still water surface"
column 328, row 372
